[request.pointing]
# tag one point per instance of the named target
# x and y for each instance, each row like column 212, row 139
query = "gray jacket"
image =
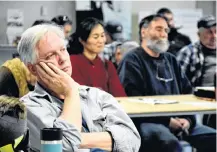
column 100, row 110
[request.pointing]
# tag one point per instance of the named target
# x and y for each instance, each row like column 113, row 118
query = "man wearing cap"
column 149, row 70
column 198, row 60
column 114, row 31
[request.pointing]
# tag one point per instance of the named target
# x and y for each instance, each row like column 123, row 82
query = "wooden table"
column 187, row 104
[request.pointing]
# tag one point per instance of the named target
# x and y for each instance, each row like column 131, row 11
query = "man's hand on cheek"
column 55, row 79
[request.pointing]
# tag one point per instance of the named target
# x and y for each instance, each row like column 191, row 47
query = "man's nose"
column 61, row 58
column 164, row 34
column 214, row 35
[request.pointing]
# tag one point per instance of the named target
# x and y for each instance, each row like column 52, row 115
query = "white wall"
column 138, row 6
column 31, row 11
column 209, row 7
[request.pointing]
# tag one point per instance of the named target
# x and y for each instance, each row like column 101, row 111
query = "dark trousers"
column 210, row 120
column 158, row 138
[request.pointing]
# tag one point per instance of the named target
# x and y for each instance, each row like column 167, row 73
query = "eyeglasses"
column 161, row 73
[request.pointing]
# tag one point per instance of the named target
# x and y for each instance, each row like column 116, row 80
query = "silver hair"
column 27, row 47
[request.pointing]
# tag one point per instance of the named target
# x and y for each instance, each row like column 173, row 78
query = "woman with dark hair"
column 88, row 69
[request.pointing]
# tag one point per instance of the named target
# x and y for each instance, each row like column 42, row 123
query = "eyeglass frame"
column 163, row 79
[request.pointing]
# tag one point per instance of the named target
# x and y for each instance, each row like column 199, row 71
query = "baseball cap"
column 115, row 29
column 206, row 22
column 61, row 20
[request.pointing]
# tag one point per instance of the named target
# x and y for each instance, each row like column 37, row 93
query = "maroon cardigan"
column 96, row 73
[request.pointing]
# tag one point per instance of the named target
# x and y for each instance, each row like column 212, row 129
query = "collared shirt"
column 96, row 73
column 191, row 59
column 100, row 110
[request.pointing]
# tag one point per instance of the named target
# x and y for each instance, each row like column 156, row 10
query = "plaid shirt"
column 109, row 51
column 191, row 59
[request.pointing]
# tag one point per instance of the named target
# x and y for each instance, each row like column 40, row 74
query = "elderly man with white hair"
column 59, row 102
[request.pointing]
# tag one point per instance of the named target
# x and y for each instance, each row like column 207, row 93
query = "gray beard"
column 158, row 46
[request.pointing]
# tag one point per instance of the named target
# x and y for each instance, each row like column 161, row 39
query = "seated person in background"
column 37, row 22
column 88, row 69
column 15, row 78
column 109, row 50
column 150, row 70
column 58, row 101
column 113, row 31
column 114, row 37
column 198, row 60
column 122, row 50
column 66, row 24
column 176, row 39
column 14, row 135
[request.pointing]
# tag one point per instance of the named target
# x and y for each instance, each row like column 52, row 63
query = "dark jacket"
column 177, row 41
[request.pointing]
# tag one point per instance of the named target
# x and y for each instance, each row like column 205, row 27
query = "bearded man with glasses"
column 150, row 70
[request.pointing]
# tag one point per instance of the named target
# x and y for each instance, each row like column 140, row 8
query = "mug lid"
column 50, row 134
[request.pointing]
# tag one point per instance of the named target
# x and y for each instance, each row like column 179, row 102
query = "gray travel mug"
column 51, row 140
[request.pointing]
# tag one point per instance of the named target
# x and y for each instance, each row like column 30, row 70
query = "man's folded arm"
column 101, row 140
column 119, row 124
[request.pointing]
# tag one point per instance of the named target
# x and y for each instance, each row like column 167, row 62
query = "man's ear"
column 32, row 68
column 143, row 32
column 198, row 34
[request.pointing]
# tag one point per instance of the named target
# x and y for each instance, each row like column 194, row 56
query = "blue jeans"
column 159, row 138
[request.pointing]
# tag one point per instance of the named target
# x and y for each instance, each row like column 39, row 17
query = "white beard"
column 158, row 46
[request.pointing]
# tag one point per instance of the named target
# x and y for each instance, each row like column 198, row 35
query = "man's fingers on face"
column 54, row 68
column 44, row 76
column 47, row 69
column 41, row 72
